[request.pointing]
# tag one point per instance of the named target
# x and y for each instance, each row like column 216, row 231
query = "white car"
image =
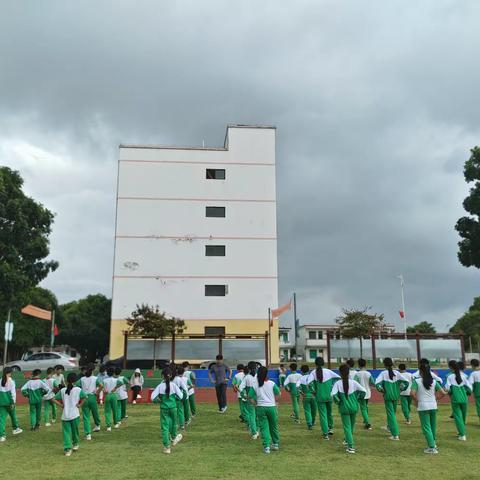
column 44, row 360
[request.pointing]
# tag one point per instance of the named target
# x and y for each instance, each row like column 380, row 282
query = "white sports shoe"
column 117, row 425
column 462, row 438
column 109, row 429
column 17, row 431
column 177, row 439
column 97, row 428
column 255, row 436
column 48, row 424
column 167, row 450
column 3, row 439
column 134, row 402
column 88, row 437
column 68, row 453
column 75, row 448
column 394, row 437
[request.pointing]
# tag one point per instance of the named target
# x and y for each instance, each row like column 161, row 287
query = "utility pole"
column 295, row 322
column 402, row 284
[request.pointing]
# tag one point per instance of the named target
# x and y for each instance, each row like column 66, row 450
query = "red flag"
column 276, row 312
column 402, row 314
column 55, row 330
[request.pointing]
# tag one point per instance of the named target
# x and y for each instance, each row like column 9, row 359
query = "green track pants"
column 326, row 416
column 3, row 420
column 460, row 417
column 295, row 407
column 406, row 402
column 122, row 408
column 180, row 414
column 364, row 411
column 35, row 414
column 111, row 408
column 348, row 423
column 186, row 407
column 49, row 407
column 268, row 423
column 251, row 418
column 193, row 405
column 391, row 410
column 428, row 421
column 90, row 407
column 70, row 433
column 477, row 404
column 13, row 417
column 310, row 410
column 168, row 425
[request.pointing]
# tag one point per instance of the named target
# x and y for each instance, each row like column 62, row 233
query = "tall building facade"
column 196, row 234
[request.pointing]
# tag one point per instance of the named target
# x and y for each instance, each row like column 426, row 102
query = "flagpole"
column 269, row 335
column 403, row 303
column 295, row 322
column 52, row 332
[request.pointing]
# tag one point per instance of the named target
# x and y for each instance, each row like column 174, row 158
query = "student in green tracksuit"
column 321, row 381
column 474, row 380
column 8, row 398
column 390, row 383
column 458, row 387
column 122, row 394
column 345, row 394
column 34, row 390
column 189, row 374
column 236, row 382
column 91, row 385
column 365, row 379
column 70, row 398
column 178, row 381
column 282, row 375
column 110, row 386
column 308, row 399
column 290, row 386
column 49, row 406
column 405, row 397
column 167, row 394
column 244, row 389
column 185, row 386
column 424, row 392
column 262, row 394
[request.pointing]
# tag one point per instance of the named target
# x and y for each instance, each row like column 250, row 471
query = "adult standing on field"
column 219, row 374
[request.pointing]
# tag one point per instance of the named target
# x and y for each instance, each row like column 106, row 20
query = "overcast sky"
column 376, row 108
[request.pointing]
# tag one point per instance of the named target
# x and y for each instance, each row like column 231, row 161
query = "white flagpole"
column 402, row 283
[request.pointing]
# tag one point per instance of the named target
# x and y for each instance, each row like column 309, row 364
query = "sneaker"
column 394, row 437
column 17, row 431
column 275, row 446
column 430, row 451
column 139, row 396
column 167, row 450
column 344, row 443
column 350, row 450
column 97, row 428
column 177, row 439
column 48, row 424
column 54, row 420
column 75, row 448
column 266, row 450
column 109, row 429
column 462, row 438
column 326, row 437
column 367, row 426
column 68, row 453
column 3, row 439
column 408, row 422
column 255, row 436
column 117, row 425
column 330, row 431
column 224, row 409
column 134, row 402
column 125, row 417
column 88, row 437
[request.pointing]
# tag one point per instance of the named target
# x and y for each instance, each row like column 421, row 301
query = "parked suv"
column 44, row 360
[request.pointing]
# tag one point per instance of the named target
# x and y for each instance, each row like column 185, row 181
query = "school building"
column 196, row 234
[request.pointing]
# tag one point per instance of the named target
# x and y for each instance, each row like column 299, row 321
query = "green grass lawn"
column 217, row 447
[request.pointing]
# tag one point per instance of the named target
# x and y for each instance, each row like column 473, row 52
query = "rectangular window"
column 215, row 250
column 312, row 335
column 215, row 174
column 215, row 212
column 215, row 290
column 214, row 330
column 320, row 334
column 312, row 354
column 284, row 337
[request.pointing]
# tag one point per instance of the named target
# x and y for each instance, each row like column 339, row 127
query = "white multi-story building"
column 196, row 234
column 286, row 344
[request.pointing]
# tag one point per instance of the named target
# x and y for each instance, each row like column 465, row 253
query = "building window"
column 215, row 250
column 320, row 334
column 216, row 290
column 214, row 330
column 215, row 212
column 284, row 337
column 312, row 354
column 215, row 174
column 312, row 335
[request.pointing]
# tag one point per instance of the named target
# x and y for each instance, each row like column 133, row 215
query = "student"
column 282, row 374
column 178, row 381
column 70, row 398
column 244, row 388
column 58, row 377
column 34, row 390
column 167, row 394
column 83, row 370
column 110, row 387
column 49, row 405
column 425, row 361
column 424, row 390
column 102, row 374
column 236, row 382
column 474, row 381
column 91, row 386
column 345, row 394
column 308, row 399
column 390, row 382
column 291, row 387
column 7, row 404
column 458, row 387
column 351, row 365
column 321, row 380
column 262, row 394
column 365, row 379
column 189, row 374
column 185, row 385
column 136, row 382
column 405, row 397
column 122, row 393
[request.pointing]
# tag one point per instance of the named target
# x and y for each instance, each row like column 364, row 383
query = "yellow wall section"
column 240, row 327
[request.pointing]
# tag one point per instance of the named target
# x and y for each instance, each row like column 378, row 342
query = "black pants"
column 221, row 391
column 136, row 389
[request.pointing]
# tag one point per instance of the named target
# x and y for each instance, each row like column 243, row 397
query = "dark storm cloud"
column 376, row 106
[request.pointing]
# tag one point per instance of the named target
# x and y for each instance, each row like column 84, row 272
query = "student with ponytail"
column 424, row 392
column 321, row 381
column 346, row 394
column 70, row 398
column 290, row 386
column 474, row 380
column 90, row 384
column 390, row 383
column 183, row 407
column 262, row 394
column 236, row 382
column 167, row 394
column 34, row 390
column 7, row 403
column 458, row 387
column 49, row 406
column 110, row 386
column 309, row 405
column 244, row 389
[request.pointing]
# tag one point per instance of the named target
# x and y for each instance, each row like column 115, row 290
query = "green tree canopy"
column 422, row 327
column 469, row 323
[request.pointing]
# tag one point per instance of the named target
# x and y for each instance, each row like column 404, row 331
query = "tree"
column 85, row 325
column 422, row 327
column 151, row 322
column 469, row 323
column 469, row 227
column 356, row 323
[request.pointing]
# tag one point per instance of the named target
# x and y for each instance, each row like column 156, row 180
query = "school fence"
column 412, row 346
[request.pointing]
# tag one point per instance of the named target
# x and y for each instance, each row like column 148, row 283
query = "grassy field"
column 218, row 447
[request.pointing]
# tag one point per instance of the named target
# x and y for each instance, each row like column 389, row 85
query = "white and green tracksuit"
column 110, row 385
column 267, row 412
column 236, row 382
column 405, row 396
column 348, row 406
column 183, row 407
column 308, row 400
column 168, row 410
column 459, row 399
column 90, row 385
column 34, row 390
column 7, row 404
column 427, row 409
column 70, row 415
column 281, row 377
column 122, row 394
column 322, row 389
column 245, row 388
column 365, row 379
column 49, row 407
column 474, row 381
column 190, row 375
column 391, row 388
column 290, row 386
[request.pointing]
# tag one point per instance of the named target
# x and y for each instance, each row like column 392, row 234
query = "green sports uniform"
column 122, row 394
column 405, row 397
column 49, row 407
column 308, row 400
column 475, row 384
column 168, row 410
column 90, row 385
column 459, row 399
column 110, row 386
column 34, row 390
column 70, row 415
column 290, row 386
column 250, row 412
column 236, row 382
column 365, row 379
column 190, row 375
